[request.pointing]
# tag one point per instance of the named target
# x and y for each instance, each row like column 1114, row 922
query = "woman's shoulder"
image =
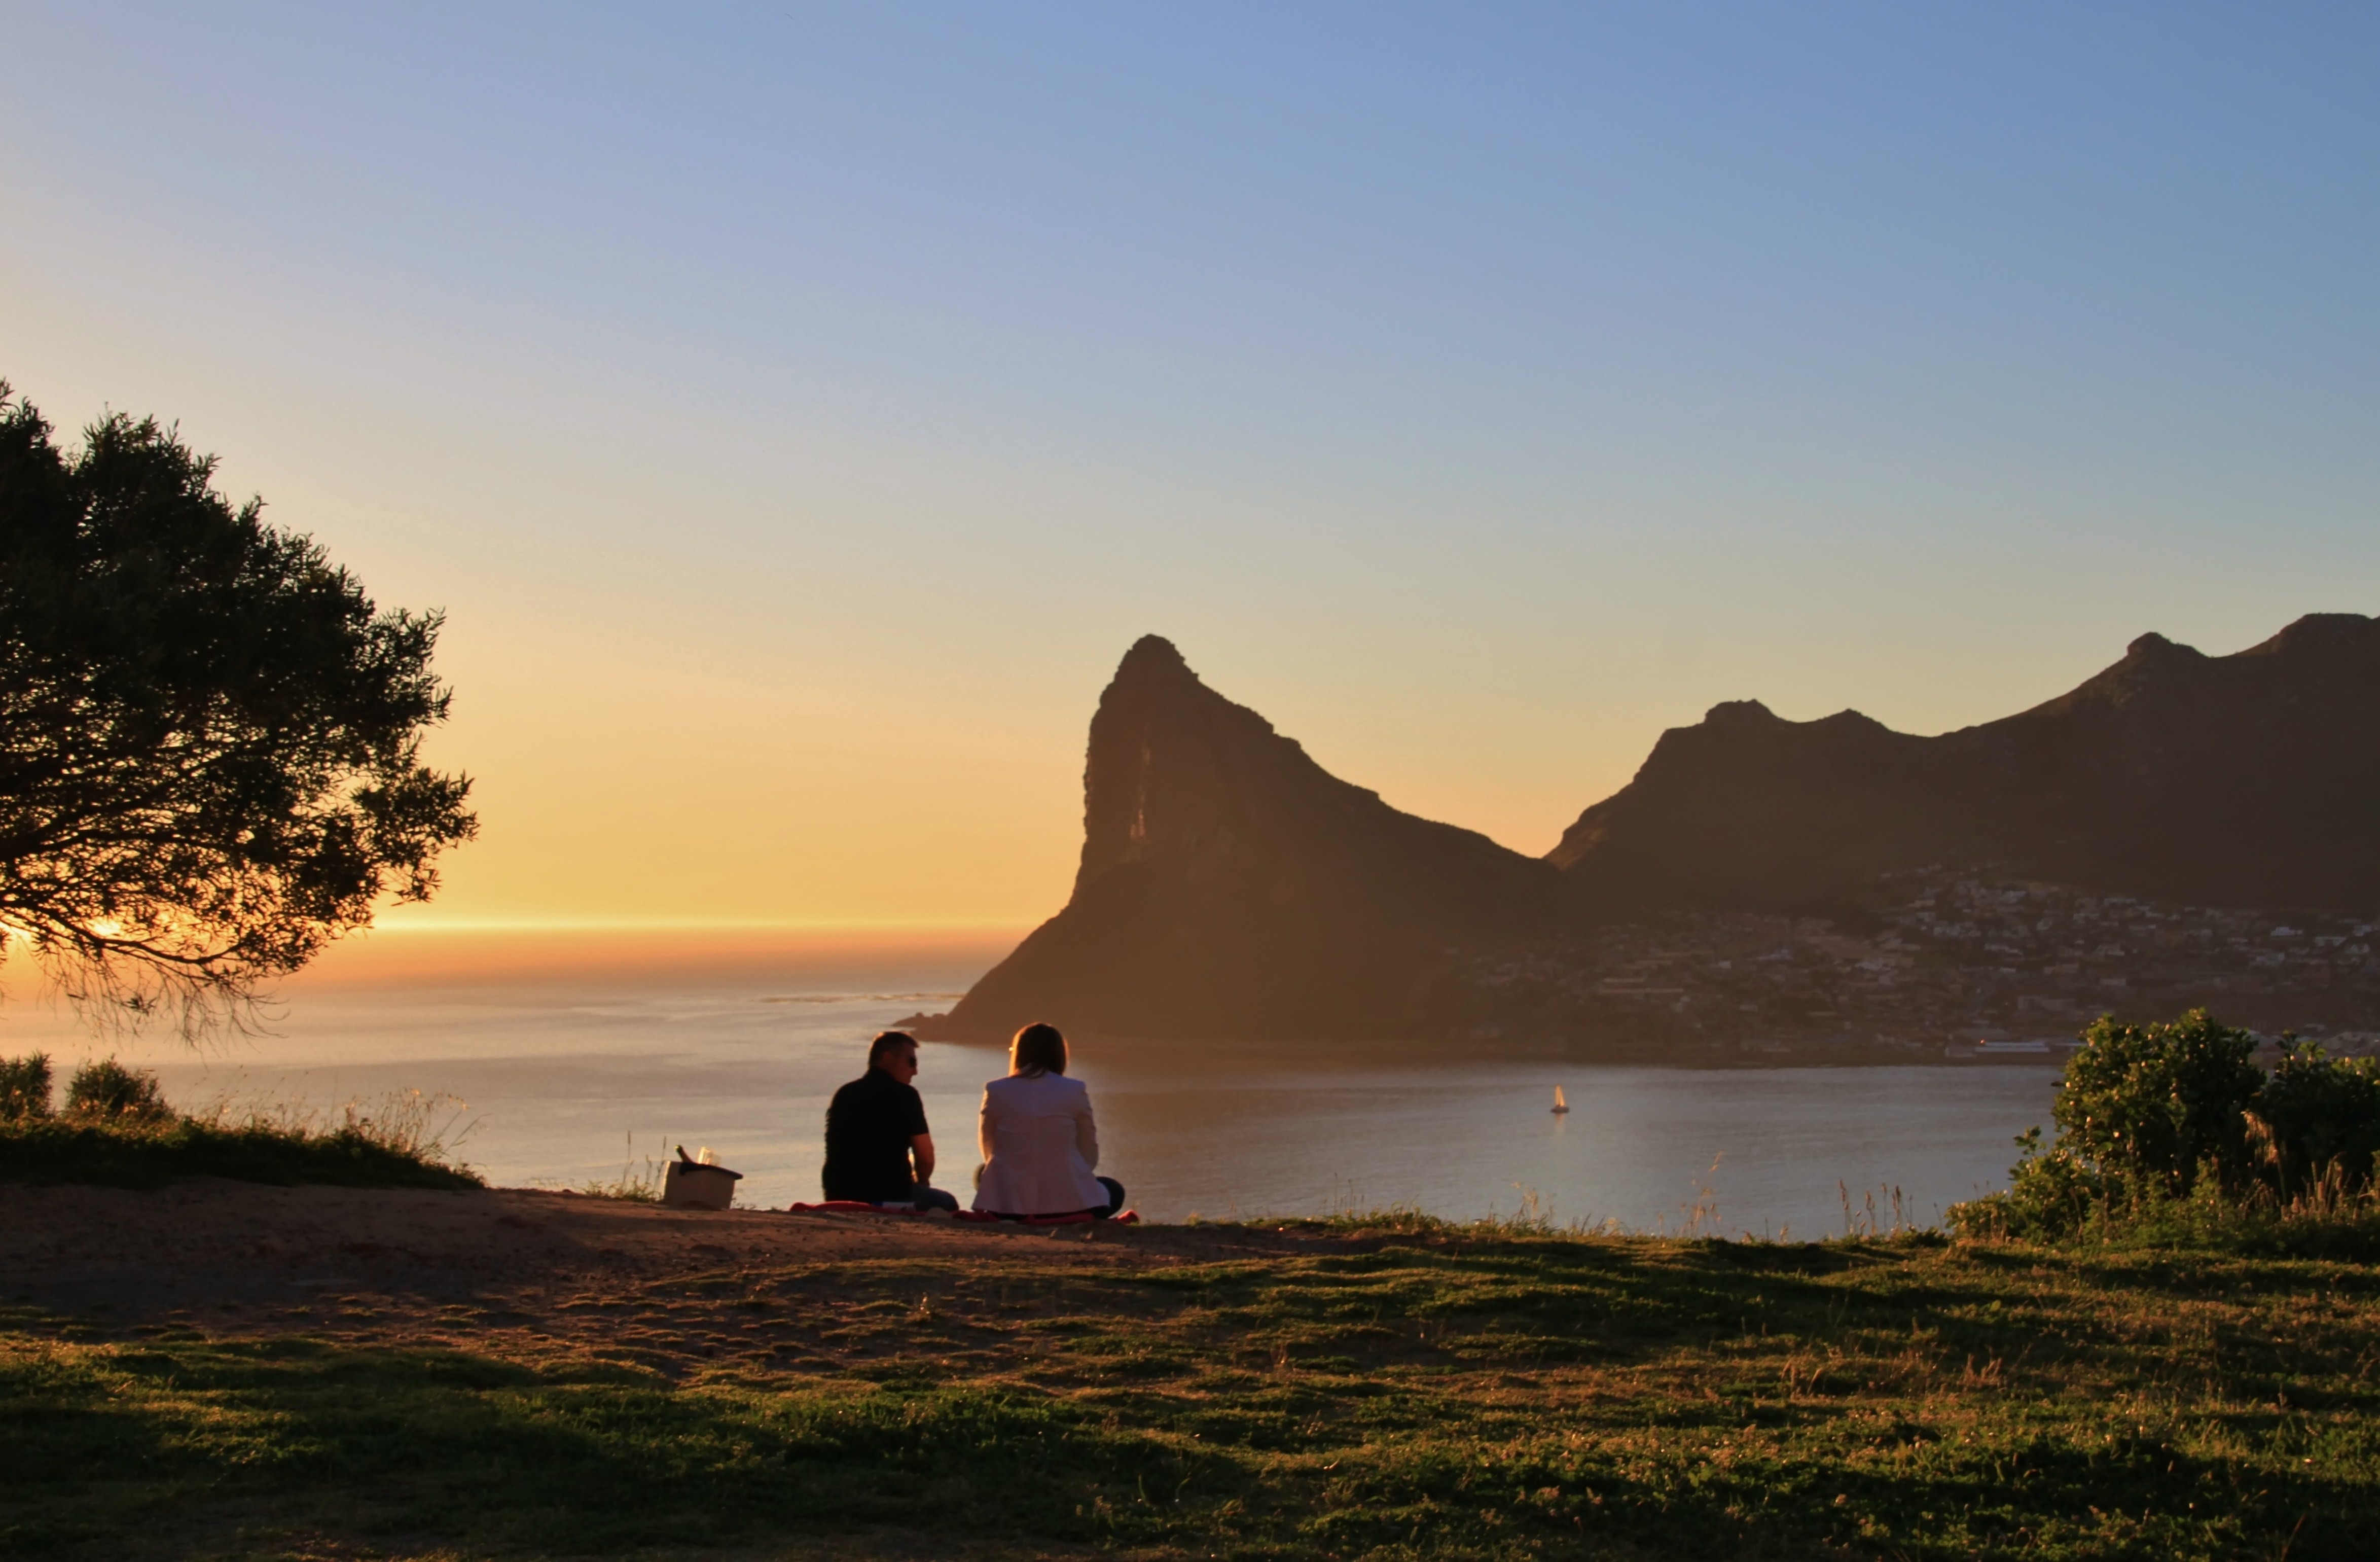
column 1036, row 1086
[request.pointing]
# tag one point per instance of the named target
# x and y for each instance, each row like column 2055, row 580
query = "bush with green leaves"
column 2161, row 1105
column 2154, row 1118
column 2318, row 1118
column 24, row 1088
column 108, row 1090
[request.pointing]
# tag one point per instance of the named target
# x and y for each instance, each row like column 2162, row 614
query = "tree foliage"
column 210, row 737
column 2318, row 1112
column 2154, row 1118
column 2163, row 1104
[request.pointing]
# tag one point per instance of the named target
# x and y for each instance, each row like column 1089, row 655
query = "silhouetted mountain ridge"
column 2252, row 778
column 1229, row 886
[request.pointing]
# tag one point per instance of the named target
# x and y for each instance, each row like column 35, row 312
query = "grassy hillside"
column 118, row 1131
column 1424, row 1392
column 148, row 1155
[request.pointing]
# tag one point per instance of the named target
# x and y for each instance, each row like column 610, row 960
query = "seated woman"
column 1039, row 1146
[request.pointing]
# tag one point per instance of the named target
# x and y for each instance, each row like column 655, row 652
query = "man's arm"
column 921, row 1151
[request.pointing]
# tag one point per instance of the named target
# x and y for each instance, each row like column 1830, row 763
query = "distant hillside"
column 2250, row 779
column 1231, row 887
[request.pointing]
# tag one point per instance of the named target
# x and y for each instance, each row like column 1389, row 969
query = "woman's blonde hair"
column 1038, row 1050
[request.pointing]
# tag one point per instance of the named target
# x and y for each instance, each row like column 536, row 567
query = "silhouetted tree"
column 208, row 737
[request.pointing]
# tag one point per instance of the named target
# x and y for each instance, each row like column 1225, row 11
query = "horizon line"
column 683, row 924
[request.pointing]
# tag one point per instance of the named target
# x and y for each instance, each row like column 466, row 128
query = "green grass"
column 149, row 1153
column 1425, row 1392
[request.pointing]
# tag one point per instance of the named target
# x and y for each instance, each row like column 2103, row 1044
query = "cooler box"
column 692, row 1186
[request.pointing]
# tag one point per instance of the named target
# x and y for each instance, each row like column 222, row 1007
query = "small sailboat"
column 1560, row 1104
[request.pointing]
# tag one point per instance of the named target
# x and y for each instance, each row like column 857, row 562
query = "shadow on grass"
column 1407, row 1397
column 384, row 1442
column 377, row 1446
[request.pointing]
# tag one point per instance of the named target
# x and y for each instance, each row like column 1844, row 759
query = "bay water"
column 565, row 1078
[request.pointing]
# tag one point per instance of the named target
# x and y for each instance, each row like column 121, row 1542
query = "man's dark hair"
column 885, row 1042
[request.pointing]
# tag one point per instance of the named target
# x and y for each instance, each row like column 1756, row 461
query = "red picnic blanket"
column 854, row 1207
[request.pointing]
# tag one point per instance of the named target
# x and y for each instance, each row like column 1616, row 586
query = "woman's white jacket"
column 1039, row 1147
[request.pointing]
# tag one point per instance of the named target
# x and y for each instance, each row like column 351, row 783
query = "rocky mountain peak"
column 1152, row 658
column 1229, row 885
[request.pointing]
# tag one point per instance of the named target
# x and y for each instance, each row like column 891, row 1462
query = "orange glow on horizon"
column 791, row 953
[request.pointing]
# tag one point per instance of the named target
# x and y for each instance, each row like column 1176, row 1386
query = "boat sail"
column 1560, row 1104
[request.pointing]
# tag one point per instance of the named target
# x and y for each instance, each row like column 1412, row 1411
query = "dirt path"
column 539, row 1276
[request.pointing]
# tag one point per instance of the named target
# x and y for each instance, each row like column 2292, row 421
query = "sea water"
column 564, row 1081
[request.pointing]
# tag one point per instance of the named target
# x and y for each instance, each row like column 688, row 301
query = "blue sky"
column 797, row 409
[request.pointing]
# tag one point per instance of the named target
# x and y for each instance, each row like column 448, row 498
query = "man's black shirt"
column 869, row 1127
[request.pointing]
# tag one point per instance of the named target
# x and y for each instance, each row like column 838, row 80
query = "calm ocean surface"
column 568, row 1081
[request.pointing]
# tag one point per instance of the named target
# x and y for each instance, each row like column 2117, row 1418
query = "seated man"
column 877, row 1151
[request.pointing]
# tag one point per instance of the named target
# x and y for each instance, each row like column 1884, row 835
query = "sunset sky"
column 797, row 409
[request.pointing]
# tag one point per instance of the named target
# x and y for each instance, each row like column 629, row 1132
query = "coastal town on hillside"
column 1945, row 966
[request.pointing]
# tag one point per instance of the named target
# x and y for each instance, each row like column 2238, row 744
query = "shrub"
column 2174, row 1128
column 2318, row 1120
column 2053, row 1191
column 24, row 1088
column 2156, row 1105
column 108, row 1090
